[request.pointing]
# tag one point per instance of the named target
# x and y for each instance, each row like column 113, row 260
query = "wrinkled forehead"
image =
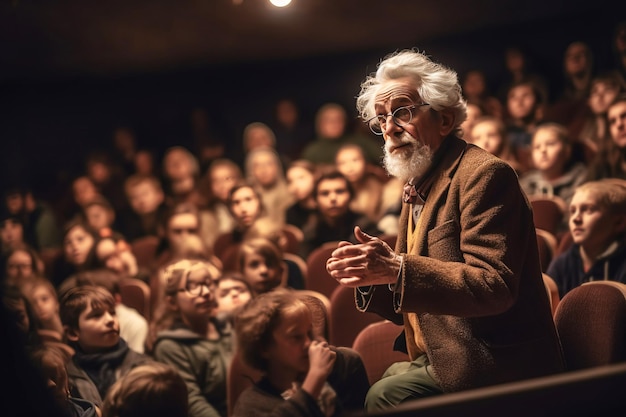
column 402, row 91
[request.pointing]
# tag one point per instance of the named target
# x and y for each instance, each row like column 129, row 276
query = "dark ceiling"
column 42, row 38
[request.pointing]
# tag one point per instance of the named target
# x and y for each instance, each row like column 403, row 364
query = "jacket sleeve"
column 476, row 251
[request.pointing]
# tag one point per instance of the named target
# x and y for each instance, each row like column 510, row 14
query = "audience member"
column 555, row 172
column 133, row 325
column 331, row 130
column 290, row 128
column 302, row 374
column 222, row 175
column 367, row 187
column 525, row 107
column 107, row 177
column 40, row 222
column 181, row 172
column 186, row 335
column 591, row 129
column 334, row 220
column 301, row 176
column 11, row 232
column 51, row 362
column 261, row 263
column 246, row 207
column 476, row 90
column 79, row 251
column 154, row 390
column 232, row 292
column 597, row 222
column 92, row 329
column 489, row 133
column 610, row 161
column 146, row 206
column 19, row 263
column 42, row 296
column 264, row 171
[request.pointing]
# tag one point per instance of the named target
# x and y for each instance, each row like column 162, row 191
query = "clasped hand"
column 369, row 262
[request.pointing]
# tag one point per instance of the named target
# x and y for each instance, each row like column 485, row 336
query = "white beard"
column 407, row 165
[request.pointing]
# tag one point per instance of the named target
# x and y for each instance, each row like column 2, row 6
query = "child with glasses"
column 186, row 335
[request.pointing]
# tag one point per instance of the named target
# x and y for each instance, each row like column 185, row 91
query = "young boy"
column 92, row 328
column 598, row 224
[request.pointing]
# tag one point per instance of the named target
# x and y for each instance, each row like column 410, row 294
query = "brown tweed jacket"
column 471, row 287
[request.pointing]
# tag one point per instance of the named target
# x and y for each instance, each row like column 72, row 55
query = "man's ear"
column 71, row 334
column 448, row 118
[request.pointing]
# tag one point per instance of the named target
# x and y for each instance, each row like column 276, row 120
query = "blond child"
column 597, row 223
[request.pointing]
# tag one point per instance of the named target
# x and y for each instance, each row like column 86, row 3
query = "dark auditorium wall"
column 49, row 124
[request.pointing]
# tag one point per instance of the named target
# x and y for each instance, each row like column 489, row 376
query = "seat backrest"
column 320, row 307
column 345, row 320
column 300, row 263
column 591, row 322
column 294, row 237
column 145, row 251
column 318, row 279
column 547, row 244
column 136, row 294
column 548, row 212
column 240, row 376
column 375, row 345
column 565, row 242
column 553, row 292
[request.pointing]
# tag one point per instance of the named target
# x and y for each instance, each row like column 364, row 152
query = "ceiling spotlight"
column 280, row 3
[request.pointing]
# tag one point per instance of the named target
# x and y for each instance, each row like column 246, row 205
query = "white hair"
column 436, row 84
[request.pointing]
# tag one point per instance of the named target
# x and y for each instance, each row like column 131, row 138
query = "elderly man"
column 465, row 278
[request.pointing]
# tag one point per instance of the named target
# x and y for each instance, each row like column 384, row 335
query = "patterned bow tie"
column 411, row 196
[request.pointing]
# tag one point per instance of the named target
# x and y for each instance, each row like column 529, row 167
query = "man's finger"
column 361, row 236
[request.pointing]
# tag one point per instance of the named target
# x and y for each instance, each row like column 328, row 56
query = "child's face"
column 258, row 137
column 180, row 227
column 260, row 275
column 177, row 165
column 521, row 101
column 84, row 191
column 77, row 244
column 265, row 169
column 98, row 329
column 45, row 304
column 549, row 152
column 333, row 198
column 351, row 163
column 145, row 198
column 245, row 206
column 223, row 179
column 331, row 124
column 617, row 123
column 291, row 340
column 11, row 233
column 109, row 255
column 590, row 223
column 600, row 96
column 231, row 294
column 98, row 217
column 19, row 265
column 300, row 182
column 486, row 136
column 196, row 295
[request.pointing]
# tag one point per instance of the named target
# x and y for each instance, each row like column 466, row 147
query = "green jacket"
column 202, row 363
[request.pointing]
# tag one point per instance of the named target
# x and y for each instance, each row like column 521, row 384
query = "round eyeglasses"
column 401, row 116
column 194, row 288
